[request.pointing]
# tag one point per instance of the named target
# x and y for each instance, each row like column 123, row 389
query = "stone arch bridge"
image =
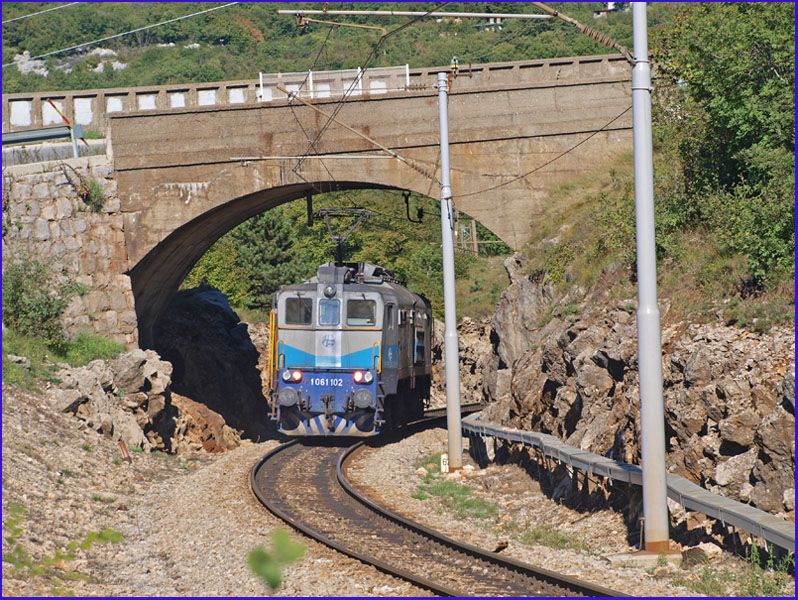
column 179, row 179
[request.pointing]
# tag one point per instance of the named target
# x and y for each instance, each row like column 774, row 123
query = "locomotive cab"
column 337, row 353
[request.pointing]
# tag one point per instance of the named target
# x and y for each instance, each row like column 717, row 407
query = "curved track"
column 306, row 486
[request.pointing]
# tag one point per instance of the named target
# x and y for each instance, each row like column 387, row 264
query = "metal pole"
column 75, row 152
column 409, row 13
column 649, row 346
column 449, row 308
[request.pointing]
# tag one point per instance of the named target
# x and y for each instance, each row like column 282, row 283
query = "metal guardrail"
column 30, row 136
column 779, row 532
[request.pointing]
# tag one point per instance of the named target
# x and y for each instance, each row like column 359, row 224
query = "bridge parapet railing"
column 89, row 108
column 691, row 496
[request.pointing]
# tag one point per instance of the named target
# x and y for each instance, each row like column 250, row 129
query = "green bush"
column 268, row 565
column 86, row 347
column 33, row 302
column 94, row 195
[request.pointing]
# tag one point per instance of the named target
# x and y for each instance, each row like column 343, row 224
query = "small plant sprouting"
column 88, row 189
column 24, row 566
column 268, row 565
column 87, row 448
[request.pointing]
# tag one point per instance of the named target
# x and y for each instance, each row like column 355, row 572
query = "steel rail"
column 568, row 583
column 515, row 568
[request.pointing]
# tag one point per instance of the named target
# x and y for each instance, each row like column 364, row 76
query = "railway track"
column 306, row 486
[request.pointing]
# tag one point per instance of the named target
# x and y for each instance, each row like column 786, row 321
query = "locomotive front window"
column 361, row 313
column 329, row 311
column 298, row 311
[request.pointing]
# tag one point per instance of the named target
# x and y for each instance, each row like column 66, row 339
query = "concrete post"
column 450, row 312
column 649, row 345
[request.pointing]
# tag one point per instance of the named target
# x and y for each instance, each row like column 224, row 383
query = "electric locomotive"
column 350, row 353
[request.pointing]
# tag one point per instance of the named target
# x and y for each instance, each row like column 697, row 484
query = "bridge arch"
column 156, row 278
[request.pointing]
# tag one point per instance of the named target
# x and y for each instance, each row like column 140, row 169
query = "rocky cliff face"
column 729, row 394
column 476, row 359
column 129, row 399
column 215, row 361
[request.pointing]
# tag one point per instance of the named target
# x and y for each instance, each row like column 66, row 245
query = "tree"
column 265, row 250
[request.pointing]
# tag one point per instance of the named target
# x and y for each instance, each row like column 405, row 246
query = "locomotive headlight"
column 362, row 376
column 287, row 397
column 363, row 399
column 294, row 376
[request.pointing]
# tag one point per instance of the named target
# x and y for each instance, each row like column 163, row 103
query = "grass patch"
column 455, row 497
column 86, row 347
column 81, row 350
column 92, row 134
column 478, row 292
column 589, row 231
column 546, row 535
column 774, row 578
column 103, row 499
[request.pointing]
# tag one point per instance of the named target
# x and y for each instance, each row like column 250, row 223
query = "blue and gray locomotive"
column 349, row 354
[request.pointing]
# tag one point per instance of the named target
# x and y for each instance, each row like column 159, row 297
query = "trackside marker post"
column 451, row 344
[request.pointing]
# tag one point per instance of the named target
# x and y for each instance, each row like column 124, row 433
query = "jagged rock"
column 733, row 472
column 475, row 357
column 22, row 361
column 776, row 440
column 202, row 428
column 739, row 428
column 728, row 393
column 129, row 399
column 788, row 499
column 701, row 554
column 518, row 311
column 215, row 362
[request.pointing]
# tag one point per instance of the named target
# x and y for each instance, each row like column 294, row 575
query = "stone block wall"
column 44, row 218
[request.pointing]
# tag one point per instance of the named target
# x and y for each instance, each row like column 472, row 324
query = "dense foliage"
column 239, row 41
column 33, row 302
column 278, row 247
column 726, row 118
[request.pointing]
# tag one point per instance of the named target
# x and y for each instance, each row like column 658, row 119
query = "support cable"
column 118, row 35
column 41, row 12
column 593, row 34
column 372, row 55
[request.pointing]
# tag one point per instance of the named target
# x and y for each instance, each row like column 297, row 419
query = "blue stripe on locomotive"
column 294, row 357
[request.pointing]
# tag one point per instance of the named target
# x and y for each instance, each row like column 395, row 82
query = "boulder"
column 732, row 473
column 199, row 427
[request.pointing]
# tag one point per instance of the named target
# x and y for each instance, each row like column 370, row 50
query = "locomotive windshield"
column 298, row 311
column 329, row 311
column 361, row 313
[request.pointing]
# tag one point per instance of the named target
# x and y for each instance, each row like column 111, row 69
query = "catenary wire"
column 118, row 35
column 548, row 162
column 372, row 55
column 41, row 12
